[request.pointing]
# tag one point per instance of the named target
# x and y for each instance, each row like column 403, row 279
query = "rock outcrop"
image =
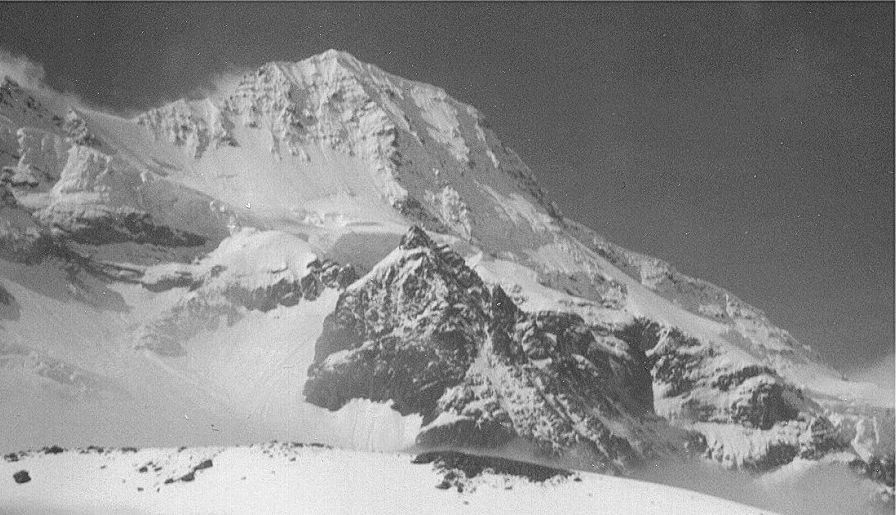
column 423, row 331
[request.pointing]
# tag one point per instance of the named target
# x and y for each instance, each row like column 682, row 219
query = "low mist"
column 881, row 371
column 800, row 488
column 32, row 76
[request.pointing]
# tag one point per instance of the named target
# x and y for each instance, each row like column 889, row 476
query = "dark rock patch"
column 21, row 476
column 776, row 456
column 876, row 469
column 452, row 463
column 189, row 476
column 725, row 382
column 125, row 226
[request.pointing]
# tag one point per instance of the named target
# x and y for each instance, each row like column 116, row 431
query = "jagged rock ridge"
column 423, row 331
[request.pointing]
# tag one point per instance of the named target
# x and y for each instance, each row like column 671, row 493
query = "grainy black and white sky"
column 750, row 144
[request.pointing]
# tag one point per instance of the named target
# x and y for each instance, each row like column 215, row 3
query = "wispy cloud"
column 881, row 372
column 217, row 85
column 802, row 487
column 24, row 71
column 32, row 76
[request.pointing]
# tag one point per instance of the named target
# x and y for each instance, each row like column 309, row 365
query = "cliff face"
column 423, row 331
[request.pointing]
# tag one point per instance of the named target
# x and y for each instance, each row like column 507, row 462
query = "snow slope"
column 239, row 383
column 291, row 478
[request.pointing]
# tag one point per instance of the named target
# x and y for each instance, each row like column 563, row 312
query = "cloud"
column 220, row 83
column 216, row 85
column 800, row 488
column 32, row 76
column 22, row 70
column 881, row 372
column 803, row 487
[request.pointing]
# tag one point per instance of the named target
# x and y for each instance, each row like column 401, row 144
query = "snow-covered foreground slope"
column 291, row 478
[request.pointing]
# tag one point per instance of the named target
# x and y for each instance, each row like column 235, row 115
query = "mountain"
column 328, row 252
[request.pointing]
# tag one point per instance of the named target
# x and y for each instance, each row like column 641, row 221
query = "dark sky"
column 750, row 144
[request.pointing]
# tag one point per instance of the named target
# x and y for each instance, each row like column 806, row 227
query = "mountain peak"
column 336, row 55
column 415, row 238
column 326, row 66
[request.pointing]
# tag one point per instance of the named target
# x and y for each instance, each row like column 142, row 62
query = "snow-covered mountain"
column 328, row 252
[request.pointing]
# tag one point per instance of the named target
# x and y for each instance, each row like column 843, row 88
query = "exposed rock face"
column 22, row 240
column 458, row 468
column 702, row 389
column 322, row 100
column 43, row 154
column 75, row 128
column 14, row 99
column 421, row 313
column 184, row 124
column 778, row 349
column 423, row 331
column 98, row 225
column 877, row 469
column 6, row 298
column 697, row 382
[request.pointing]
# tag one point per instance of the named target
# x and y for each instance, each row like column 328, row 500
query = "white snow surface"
column 250, row 258
column 283, row 478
